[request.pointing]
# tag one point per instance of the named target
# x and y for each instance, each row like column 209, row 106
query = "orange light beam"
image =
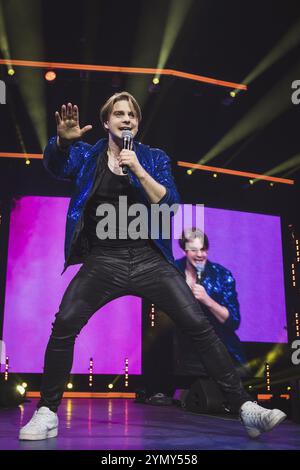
column 113, row 68
column 20, row 155
column 235, row 172
column 182, row 164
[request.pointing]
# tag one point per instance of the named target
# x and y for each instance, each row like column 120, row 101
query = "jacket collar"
column 141, row 150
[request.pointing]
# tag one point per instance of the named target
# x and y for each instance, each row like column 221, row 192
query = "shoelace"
column 35, row 420
column 252, row 413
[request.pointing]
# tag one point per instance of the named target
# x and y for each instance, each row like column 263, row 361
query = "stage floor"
column 120, row 424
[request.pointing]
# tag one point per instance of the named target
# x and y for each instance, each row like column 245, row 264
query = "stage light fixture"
column 70, row 386
column 11, row 72
column 110, row 386
column 27, row 161
column 152, row 315
column 215, row 175
column 11, row 393
column 251, row 181
column 24, row 384
column 155, row 81
column 50, row 76
column 233, row 94
column 126, row 372
column 20, row 389
column 189, row 172
column 91, row 372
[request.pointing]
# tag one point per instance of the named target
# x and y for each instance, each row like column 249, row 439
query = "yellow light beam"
column 113, row 68
column 271, row 357
column 146, row 44
column 291, row 171
column 284, row 45
column 4, row 46
column 227, row 171
column 290, row 163
column 178, row 11
column 272, row 105
column 31, row 82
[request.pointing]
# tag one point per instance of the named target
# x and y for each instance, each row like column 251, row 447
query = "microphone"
column 199, row 268
column 127, row 137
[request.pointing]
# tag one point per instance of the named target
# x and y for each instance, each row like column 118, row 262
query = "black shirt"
column 112, row 186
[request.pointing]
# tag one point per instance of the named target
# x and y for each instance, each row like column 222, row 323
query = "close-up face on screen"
column 149, row 228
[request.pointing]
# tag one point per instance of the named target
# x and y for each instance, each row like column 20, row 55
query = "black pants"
column 110, row 273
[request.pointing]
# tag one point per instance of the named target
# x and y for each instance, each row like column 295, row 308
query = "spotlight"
column 11, row 72
column 24, row 384
column 110, row 386
column 232, row 94
column 189, row 172
column 27, row 161
column 251, row 181
column 11, row 393
column 215, row 175
column 20, row 389
column 50, row 76
column 155, row 81
column 271, row 184
column 70, row 386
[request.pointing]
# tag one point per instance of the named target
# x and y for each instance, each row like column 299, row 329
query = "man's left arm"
column 219, row 311
column 159, row 188
column 227, row 310
column 230, row 301
column 155, row 191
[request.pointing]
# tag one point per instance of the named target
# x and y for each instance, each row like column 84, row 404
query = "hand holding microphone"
column 127, row 138
column 200, row 266
column 127, row 158
column 197, row 289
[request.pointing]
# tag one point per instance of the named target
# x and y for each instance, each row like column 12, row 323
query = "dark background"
column 223, row 40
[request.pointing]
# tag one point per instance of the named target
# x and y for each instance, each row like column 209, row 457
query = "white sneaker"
column 43, row 424
column 257, row 419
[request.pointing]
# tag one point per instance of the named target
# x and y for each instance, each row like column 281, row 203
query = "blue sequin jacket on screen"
column 81, row 164
column 219, row 284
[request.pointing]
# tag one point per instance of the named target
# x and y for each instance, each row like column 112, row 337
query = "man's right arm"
column 64, row 154
column 64, row 163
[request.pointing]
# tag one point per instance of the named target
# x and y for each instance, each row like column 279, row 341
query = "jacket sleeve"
column 64, row 165
column 230, row 301
column 163, row 175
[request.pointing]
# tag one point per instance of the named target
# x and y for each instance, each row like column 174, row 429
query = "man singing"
column 122, row 264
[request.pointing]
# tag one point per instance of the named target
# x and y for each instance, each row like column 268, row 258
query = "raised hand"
column 68, row 128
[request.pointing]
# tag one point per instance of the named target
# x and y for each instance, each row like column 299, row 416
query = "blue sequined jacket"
column 219, row 284
column 81, row 165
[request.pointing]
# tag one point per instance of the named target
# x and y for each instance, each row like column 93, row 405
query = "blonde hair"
column 189, row 234
column 107, row 108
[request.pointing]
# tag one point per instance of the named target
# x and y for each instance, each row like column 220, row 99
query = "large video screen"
column 34, row 288
column 247, row 244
